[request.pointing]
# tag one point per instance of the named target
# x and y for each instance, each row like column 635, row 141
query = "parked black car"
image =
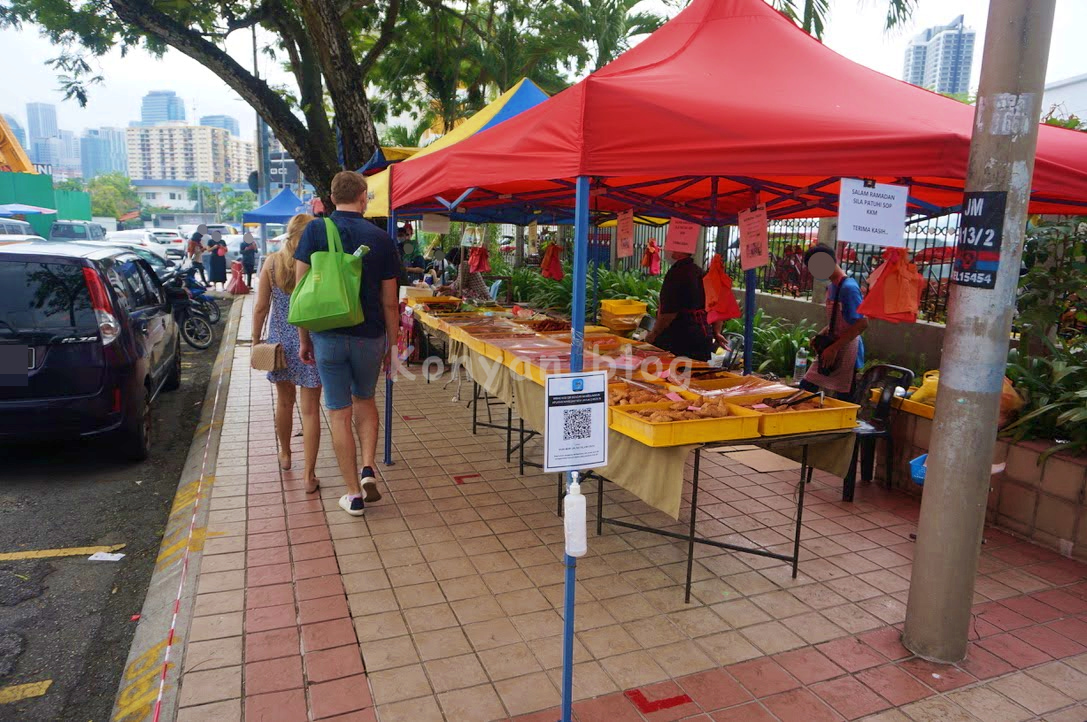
column 97, row 334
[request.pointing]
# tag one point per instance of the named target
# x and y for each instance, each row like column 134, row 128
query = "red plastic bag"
column 651, row 259
column 237, row 285
column 479, row 260
column 551, row 263
column 720, row 303
column 894, row 289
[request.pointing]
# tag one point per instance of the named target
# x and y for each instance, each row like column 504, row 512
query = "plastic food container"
column 623, row 307
column 744, row 424
column 917, row 469
column 834, row 415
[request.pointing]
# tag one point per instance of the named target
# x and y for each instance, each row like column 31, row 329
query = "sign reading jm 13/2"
column 981, row 232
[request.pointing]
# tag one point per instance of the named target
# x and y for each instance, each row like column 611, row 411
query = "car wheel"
column 173, row 379
column 136, row 444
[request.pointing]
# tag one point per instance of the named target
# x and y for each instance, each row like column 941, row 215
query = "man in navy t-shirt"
column 348, row 359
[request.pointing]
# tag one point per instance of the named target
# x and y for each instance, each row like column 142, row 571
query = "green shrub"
column 1055, row 389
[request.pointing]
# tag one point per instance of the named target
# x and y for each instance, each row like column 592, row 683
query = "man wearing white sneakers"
column 349, row 359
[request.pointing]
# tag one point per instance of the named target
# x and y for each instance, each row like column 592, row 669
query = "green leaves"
column 1054, row 385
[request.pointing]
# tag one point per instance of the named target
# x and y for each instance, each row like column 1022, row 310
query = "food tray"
column 910, row 407
column 623, row 306
column 834, row 415
column 743, row 425
column 432, row 300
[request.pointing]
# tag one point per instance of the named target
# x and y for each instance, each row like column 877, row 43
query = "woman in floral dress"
column 274, row 294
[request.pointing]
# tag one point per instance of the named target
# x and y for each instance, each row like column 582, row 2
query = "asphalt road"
column 69, row 620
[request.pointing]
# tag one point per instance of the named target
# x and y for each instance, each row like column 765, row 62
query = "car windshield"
column 65, row 230
column 44, row 297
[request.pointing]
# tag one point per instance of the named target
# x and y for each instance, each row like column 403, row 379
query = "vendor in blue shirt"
column 834, row 370
column 414, row 265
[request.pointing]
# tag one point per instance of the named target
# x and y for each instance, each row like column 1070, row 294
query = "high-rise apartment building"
column 41, row 121
column 103, row 150
column 162, row 106
column 47, row 152
column 941, row 58
column 225, row 122
column 17, row 130
column 175, row 151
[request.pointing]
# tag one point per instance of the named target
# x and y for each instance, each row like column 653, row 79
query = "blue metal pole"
column 749, row 317
column 388, row 460
column 577, row 363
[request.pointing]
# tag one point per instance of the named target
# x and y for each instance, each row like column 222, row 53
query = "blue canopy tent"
column 280, row 209
column 21, row 209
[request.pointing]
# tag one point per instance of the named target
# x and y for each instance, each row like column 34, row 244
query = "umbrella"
column 21, row 209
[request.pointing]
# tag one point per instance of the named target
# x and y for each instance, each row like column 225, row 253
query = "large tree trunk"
column 344, row 79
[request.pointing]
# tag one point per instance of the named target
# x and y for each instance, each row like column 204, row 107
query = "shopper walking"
column 276, row 282
column 217, row 260
column 249, row 257
column 348, row 359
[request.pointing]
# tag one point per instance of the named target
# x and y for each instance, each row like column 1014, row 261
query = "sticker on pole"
column 981, row 233
column 576, row 425
column 624, row 237
column 754, row 249
column 872, row 213
column 682, row 236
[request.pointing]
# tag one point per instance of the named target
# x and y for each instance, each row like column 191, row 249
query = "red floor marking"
column 460, row 479
column 646, row 706
column 413, row 418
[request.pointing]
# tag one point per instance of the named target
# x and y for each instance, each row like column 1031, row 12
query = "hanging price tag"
column 754, row 248
column 625, row 234
column 682, row 236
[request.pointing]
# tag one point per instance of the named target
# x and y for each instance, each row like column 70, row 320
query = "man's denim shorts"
column 348, row 366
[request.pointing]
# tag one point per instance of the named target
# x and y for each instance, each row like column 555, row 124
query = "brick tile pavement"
column 444, row 602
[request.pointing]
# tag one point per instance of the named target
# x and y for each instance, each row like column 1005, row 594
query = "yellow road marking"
column 19, row 692
column 51, row 553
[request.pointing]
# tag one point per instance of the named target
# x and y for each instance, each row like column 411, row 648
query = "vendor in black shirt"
column 681, row 327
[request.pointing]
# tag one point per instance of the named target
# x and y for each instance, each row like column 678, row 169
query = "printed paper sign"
column 576, row 425
column 873, row 213
column 625, row 234
column 754, row 248
column 981, row 233
column 472, row 237
column 682, row 236
column 433, row 223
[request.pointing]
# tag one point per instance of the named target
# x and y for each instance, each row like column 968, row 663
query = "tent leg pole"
column 577, row 349
column 749, row 317
column 388, row 460
column 596, row 288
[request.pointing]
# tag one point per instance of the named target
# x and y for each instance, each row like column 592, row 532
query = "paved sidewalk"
column 444, row 601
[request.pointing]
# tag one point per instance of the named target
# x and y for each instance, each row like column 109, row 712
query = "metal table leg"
column 799, row 509
column 691, row 537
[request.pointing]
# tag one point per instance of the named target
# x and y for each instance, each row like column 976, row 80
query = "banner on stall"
column 576, row 422
column 754, row 246
column 872, row 213
column 472, row 237
column 433, row 223
column 682, row 236
column 624, row 229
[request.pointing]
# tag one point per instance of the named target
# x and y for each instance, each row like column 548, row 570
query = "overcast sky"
column 854, row 30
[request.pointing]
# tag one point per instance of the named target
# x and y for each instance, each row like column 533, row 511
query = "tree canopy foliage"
column 112, row 195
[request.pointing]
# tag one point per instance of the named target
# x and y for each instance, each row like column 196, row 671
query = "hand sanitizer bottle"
column 574, row 519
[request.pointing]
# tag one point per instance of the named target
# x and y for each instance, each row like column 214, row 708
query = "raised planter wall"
column 1041, row 502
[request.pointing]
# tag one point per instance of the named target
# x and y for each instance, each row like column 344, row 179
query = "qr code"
column 576, row 424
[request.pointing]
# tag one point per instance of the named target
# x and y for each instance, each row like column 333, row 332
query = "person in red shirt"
column 196, row 251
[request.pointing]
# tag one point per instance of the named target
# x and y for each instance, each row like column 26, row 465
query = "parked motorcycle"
column 200, row 296
column 191, row 320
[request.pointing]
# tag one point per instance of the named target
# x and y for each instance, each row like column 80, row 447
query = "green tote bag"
column 327, row 298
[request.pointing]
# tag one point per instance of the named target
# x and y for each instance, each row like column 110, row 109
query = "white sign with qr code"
column 576, row 426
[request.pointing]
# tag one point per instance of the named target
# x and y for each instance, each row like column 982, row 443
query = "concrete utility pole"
column 980, row 313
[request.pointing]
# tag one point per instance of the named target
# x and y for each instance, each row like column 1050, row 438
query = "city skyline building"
column 161, row 106
column 940, row 58
column 195, row 153
column 103, row 150
column 41, row 121
column 226, row 122
column 17, row 130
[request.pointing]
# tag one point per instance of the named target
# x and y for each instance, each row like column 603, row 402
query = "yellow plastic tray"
column 910, row 407
column 834, row 415
column 431, row 300
column 743, row 425
column 623, row 306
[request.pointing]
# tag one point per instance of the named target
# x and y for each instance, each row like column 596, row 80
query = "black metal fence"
column 931, row 244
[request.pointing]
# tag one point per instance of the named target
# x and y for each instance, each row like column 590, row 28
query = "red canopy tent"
column 727, row 98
